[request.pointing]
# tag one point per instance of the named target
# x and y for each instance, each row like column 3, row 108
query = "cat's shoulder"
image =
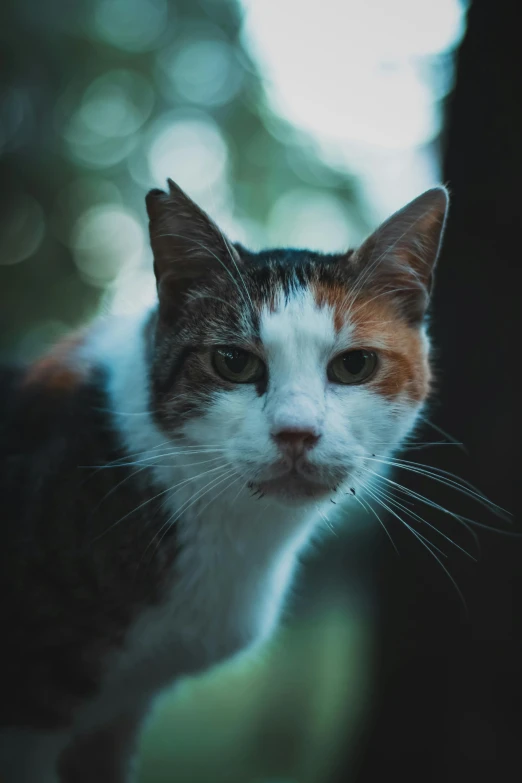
column 41, row 399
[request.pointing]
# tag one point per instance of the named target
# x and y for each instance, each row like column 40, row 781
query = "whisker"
column 414, row 515
column 241, row 488
column 427, row 444
column 371, row 508
column 439, row 475
column 155, row 497
column 116, row 486
column 326, row 520
column 377, row 495
column 97, row 468
column 227, row 245
column 464, row 521
column 212, row 499
column 120, row 463
column 449, row 437
column 173, row 518
column 428, row 546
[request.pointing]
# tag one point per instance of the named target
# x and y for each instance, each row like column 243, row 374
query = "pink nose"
column 294, row 441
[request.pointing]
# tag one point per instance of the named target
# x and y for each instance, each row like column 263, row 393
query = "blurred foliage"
column 101, row 100
column 287, row 713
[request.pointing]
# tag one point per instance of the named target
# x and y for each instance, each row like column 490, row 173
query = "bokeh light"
column 22, row 228
column 45, row 334
column 16, row 115
column 102, row 130
column 106, row 240
column 133, row 25
column 75, row 198
column 364, row 85
column 116, row 104
column 306, row 218
column 372, row 94
column 133, row 291
column 192, row 146
column 203, row 71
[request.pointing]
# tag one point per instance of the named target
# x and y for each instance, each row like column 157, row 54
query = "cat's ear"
column 400, row 256
column 186, row 244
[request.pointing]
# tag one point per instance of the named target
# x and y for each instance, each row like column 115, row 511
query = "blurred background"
column 300, row 123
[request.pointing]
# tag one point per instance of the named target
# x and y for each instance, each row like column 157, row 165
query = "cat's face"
column 300, row 366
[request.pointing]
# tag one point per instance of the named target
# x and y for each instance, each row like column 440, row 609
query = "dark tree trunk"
column 448, row 698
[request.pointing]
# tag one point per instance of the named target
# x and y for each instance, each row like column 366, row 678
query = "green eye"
column 237, row 365
column 352, row 367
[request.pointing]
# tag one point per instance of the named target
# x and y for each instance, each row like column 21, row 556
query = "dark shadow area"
column 448, row 693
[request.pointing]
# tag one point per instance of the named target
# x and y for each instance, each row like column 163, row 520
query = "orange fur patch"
column 335, row 297
column 61, row 369
column 377, row 325
column 404, row 365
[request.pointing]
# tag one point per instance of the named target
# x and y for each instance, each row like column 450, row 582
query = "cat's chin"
column 293, row 488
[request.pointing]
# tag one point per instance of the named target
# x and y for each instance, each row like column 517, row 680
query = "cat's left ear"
column 401, row 255
column 186, row 243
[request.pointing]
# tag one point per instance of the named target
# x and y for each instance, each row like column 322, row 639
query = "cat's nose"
column 295, row 441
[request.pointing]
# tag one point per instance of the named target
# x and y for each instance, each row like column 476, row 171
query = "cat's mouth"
column 294, row 485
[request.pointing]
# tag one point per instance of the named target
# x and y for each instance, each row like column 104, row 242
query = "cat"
column 161, row 474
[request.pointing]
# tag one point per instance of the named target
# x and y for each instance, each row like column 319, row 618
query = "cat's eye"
column 237, row 365
column 352, row 367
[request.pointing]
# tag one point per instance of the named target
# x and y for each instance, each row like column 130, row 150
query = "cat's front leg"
column 105, row 755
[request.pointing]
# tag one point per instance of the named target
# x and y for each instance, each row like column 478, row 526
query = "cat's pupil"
column 355, row 361
column 235, row 360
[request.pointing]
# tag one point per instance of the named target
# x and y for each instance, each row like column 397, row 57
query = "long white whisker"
column 439, row 475
column 227, row 245
column 414, row 515
column 371, row 508
column 147, row 460
column 122, row 462
column 464, row 521
column 428, row 546
column 325, row 519
column 377, row 495
column 155, row 497
column 444, row 433
column 189, row 503
column 173, row 518
column 115, row 487
column 227, row 486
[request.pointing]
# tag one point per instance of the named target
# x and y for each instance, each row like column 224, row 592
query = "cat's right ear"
column 186, row 244
column 399, row 258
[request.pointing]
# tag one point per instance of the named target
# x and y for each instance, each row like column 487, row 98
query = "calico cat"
column 136, row 548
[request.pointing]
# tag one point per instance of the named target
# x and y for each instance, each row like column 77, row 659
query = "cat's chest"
column 199, row 620
column 216, row 603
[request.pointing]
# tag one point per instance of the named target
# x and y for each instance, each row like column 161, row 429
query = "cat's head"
column 300, row 365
